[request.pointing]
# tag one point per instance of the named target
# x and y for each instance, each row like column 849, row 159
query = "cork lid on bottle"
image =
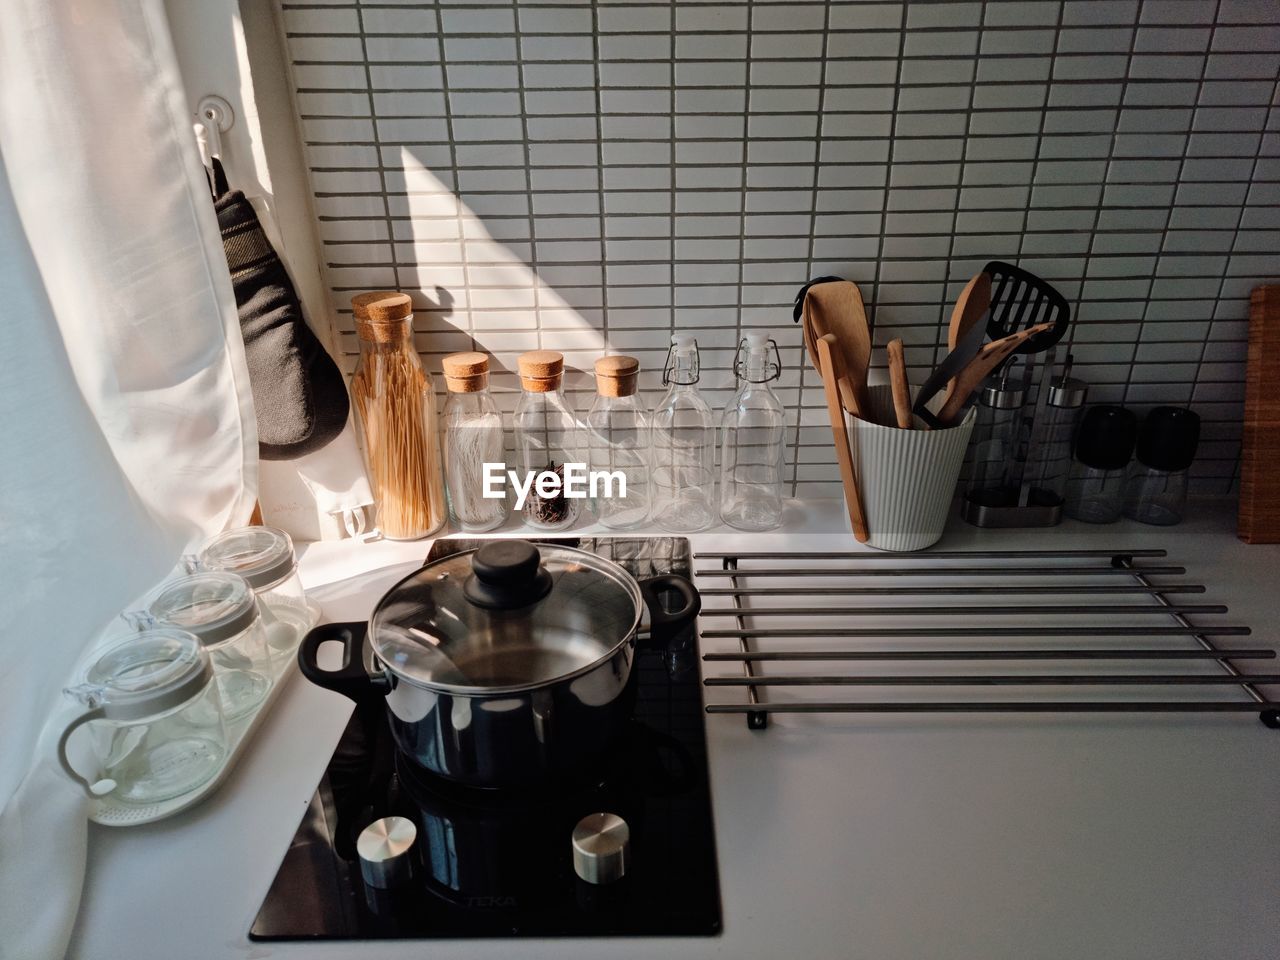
column 380, row 315
column 617, row 376
column 466, row 372
column 541, row 370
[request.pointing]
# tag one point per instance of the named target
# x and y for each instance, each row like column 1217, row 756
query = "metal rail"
column 755, row 630
column 942, row 572
column 1032, row 610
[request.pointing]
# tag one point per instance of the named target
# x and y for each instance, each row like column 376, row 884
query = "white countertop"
column 878, row 837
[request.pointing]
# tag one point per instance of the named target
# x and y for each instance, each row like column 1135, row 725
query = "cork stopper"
column 466, row 372
column 617, row 376
column 541, row 370
column 380, row 315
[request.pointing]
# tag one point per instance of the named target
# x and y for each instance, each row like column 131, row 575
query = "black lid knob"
column 506, row 574
column 1168, row 438
column 1105, row 438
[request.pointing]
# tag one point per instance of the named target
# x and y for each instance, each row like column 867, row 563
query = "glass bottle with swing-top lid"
column 684, row 446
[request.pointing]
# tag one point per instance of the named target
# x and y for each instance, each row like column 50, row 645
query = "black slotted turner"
column 1020, row 299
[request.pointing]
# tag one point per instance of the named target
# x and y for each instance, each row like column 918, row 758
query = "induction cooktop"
column 498, row 863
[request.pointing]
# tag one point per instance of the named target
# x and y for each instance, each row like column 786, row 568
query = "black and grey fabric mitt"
column 298, row 391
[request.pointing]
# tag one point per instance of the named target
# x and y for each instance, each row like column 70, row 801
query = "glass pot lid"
column 507, row 617
column 214, row 606
column 262, row 555
column 145, row 675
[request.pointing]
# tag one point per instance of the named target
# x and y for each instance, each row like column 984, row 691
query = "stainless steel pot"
column 506, row 665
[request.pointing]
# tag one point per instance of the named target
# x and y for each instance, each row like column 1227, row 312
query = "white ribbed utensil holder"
column 907, row 478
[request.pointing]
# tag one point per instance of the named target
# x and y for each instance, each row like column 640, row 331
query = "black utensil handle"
column 351, row 679
column 664, row 625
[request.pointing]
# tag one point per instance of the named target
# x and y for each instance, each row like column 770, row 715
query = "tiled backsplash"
column 578, row 176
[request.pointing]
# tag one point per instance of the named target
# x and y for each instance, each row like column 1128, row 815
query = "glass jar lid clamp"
column 773, row 368
column 693, row 374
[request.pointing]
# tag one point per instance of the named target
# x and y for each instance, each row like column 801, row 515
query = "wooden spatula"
column 973, row 303
column 970, row 378
column 828, row 364
column 836, row 307
column 898, row 381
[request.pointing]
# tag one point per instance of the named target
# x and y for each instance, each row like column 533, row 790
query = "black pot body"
column 508, row 739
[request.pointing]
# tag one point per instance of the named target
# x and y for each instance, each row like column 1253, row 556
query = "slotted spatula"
column 1021, row 300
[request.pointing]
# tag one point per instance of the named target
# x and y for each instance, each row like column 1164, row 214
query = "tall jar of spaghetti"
column 396, row 408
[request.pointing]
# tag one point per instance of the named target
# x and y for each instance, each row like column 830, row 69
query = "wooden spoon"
column 970, row 378
column 829, row 366
column 898, row 381
column 975, row 300
column 836, row 307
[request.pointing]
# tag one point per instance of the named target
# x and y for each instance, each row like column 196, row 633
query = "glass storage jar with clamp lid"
column 264, row 557
column 221, row 611
column 155, row 719
column 684, row 445
column 751, row 450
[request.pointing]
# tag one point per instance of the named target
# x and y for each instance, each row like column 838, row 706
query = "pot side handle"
column 664, row 625
column 351, row 679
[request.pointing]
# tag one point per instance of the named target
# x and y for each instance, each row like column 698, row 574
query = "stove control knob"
column 386, row 849
column 601, row 848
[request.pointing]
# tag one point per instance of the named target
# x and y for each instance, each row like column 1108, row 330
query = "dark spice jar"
column 547, row 437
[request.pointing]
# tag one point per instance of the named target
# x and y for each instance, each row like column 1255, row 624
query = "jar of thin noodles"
column 396, row 410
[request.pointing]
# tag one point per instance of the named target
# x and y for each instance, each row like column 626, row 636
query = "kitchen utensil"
column 473, row 436
column 752, row 431
column 618, row 442
column 835, row 306
column 158, row 714
column 396, row 410
column 1021, row 300
column 960, row 394
column 220, row 610
column 507, row 665
column 970, row 309
column 898, row 380
column 907, row 478
column 1156, row 487
column 684, row 445
column 944, row 374
column 829, row 366
column 1259, row 517
column 1104, row 445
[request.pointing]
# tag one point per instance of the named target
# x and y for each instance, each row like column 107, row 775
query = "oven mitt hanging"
column 298, row 391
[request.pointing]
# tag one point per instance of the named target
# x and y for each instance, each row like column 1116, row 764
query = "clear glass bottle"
column 473, row 437
column 1050, row 462
column 1104, row 444
column 618, row 442
column 995, row 445
column 547, row 438
column 684, row 446
column 396, row 409
column 751, row 430
column 1156, row 487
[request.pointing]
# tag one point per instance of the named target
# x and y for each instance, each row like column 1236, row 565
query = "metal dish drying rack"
column 1072, row 631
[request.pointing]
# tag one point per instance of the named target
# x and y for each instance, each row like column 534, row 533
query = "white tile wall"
column 578, row 175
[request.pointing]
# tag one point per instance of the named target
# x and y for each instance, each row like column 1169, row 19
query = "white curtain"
column 127, row 430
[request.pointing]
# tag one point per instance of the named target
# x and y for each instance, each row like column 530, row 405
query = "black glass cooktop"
column 499, row 863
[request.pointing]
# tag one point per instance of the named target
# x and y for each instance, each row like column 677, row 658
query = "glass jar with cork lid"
column 618, row 444
column 473, row 437
column 396, row 409
column 547, row 438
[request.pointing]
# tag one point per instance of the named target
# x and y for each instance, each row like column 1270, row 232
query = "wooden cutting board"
column 1260, row 455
